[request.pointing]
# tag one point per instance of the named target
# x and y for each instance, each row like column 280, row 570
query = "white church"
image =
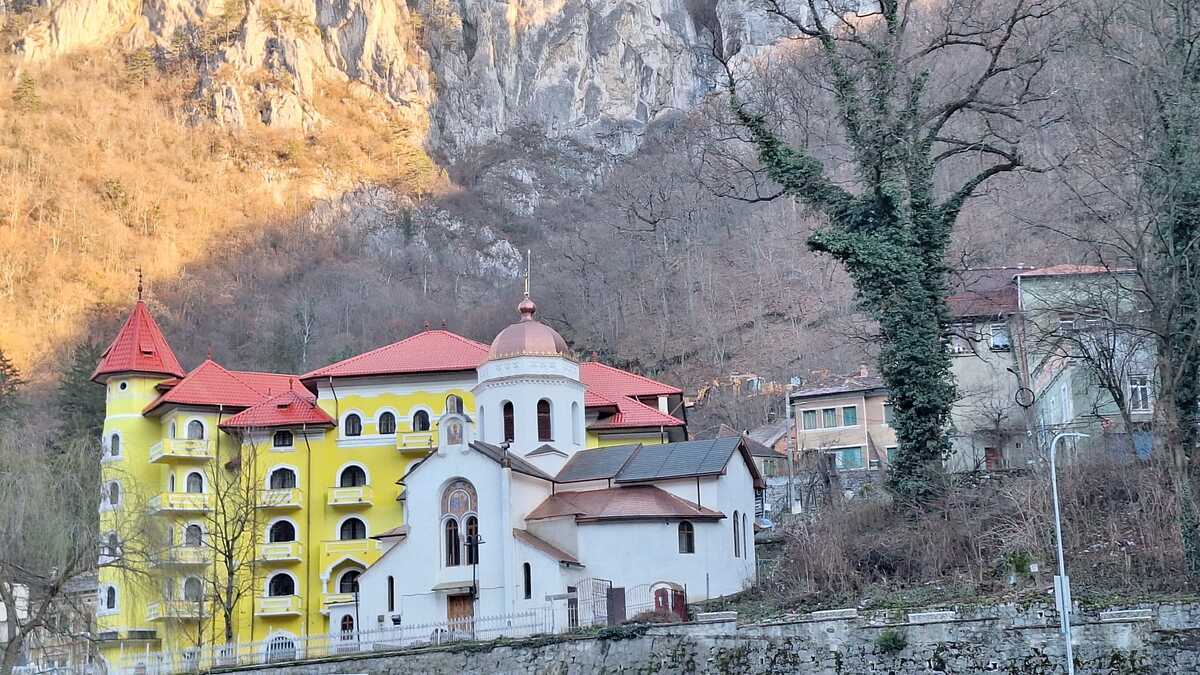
column 497, row 523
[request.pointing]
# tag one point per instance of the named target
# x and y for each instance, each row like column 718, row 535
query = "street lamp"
column 1062, row 583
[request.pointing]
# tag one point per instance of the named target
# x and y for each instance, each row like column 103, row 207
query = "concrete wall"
column 1002, row 639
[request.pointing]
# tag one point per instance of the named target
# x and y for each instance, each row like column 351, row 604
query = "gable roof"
column 429, row 351
column 634, row 413
column 291, row 408
column 635, row 502
column 827, row 384
column 139, row 347
column 210, row 384
column 608, row 380
column 545, row 449
column 596, row 464
column 770, row 433
column 533, row 541
column 756, row 448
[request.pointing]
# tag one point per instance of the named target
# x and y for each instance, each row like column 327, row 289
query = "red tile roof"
column 211, row 384
column 632, row 413
column 622, row 503
column 426, row 352
column 593, row 399
column 291, row 408
column 138, row 348
column 607, row 380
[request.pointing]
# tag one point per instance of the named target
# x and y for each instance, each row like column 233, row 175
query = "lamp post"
column 1062, row 583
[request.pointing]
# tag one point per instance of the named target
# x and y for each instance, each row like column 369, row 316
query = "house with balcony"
column 845, row 420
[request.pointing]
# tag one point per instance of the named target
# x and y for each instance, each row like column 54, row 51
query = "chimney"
column 862, row 370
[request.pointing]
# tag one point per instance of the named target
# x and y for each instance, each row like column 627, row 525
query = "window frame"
column 387, row 419
column 342, row 580
column 854, row 412
column 196, row 423
column 280, row 471
column 276, row 523
column 1146, row 386
column 283, row 434
column 347, row 521
column 687, row 537
column 421, row 421
column 271, row 584
column 352, row 429
column 1003, row 330
column 341, row 481
column 508, row 430
column 737, row 539
column 545, row 420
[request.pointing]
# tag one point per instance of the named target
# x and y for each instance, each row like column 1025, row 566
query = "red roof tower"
column 138, row 348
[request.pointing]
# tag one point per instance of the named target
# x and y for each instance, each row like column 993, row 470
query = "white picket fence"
column 282, row 648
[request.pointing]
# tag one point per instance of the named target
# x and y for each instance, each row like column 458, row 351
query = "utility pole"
column 1062, row 583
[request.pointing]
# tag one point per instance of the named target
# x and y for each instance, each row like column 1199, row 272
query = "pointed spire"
column 139, row 273
column 139, row 347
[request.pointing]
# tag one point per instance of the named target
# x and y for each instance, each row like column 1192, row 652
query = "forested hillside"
column 301, row 181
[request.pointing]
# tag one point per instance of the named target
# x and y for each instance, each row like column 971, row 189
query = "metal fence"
column 285, row 648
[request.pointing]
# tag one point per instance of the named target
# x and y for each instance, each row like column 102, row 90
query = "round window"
column 123, row 385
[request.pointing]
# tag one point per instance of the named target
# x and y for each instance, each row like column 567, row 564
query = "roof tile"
column 426, row 352
column 139, row 347
column 620, row 503
column 291, row 408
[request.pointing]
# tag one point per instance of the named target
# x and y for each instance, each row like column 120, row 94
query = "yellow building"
column 284, row 479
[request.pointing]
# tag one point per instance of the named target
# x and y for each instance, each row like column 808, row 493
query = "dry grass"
column 102, row 172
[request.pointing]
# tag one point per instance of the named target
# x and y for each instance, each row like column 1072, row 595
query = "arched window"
column 193, row 535
column 353, row 528
column 452, row 544
column 349, row 582
column 195, row 430
column 114, row 493
column 114, row 445
column 281, row 584
column 472, row 540
column 509, row 426
column 391, row 588
column 745, row 537
column 195, row 483
column 420, row 421
column 576, row 424
column 347, row 624
column 110, row 597
column 283, row 479
column 454, row 404
column 527, row 575
column 171, row 483
column 113, row 545
column 193, row 591
column 282, row 531
column 687, row 537
column 283, row 439
column 544, row 427
column 352, row 476
column 737, row 537
column 171, row 430
column 353, row 426
column 387, row 423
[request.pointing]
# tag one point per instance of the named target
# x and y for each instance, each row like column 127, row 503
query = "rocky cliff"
column 463, row 71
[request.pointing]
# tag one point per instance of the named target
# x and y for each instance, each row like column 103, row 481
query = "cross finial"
column 528, row 267
column 139, row 273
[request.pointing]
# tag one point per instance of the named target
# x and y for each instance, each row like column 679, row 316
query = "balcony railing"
column 279, row 605
column 182, row 449
column 351, row 496
column 333, row 549
column 414, row 440
column 181, row 501
column 185, row 555
column 284, row 498
column 173, row 609
column 281, row 551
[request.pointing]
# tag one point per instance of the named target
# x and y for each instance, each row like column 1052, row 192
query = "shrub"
column 891, row 641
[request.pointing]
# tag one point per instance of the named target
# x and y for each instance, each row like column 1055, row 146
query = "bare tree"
column 923, row 93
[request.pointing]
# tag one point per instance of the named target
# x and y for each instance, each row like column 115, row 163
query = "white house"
column 512, row 513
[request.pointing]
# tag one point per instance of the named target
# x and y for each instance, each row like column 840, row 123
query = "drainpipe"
column 308, row 535
column 337, row 407
column 508, row 552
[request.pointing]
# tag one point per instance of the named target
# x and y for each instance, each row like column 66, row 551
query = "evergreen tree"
column 81, row 401
column 10, row 384
column 25, row 96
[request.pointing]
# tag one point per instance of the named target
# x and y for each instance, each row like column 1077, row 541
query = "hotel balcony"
column 349, row 547
column 182, row 450
column 185, row 556
column 351, row 496
column 415, row 441
column 281, row 552
column 174, row 609
column 282, row 499
column 181, row 502
column 279, row 605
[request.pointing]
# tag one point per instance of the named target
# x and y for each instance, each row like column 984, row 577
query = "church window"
column 195, row 430
column 195, row 483
column 283, row 479
column 114, row 445
column 193, row 535
column 353, row 528
column 353, row 476
column 347, row 624
column 737, row 537
column 472, row 540
column 193, row 589
column 509, row 426
column 281, row 584
column 452, row 543
column 527, row 573
column 110, row 597
column 353, row 425
column 687, row 537
column 459, row 508
column 543, row 421
column 281, row 532
column 391, row 590
column 745, row 538
column 283, row 439
column 349, row 582
column 420, row 421
column 387, row 423
column 454, row 404
column 576, row 424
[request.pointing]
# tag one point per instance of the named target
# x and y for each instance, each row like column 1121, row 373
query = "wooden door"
column 460, row 613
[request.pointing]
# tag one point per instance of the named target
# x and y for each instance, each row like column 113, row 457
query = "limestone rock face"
column 466, row 72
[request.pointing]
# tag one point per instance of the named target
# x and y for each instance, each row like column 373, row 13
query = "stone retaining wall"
column 1161, row 638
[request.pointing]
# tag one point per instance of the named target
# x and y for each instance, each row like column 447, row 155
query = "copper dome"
column 528, row 337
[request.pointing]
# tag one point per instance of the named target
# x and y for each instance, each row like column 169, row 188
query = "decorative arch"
column 193, row 483
column 421, row 421
column 196, row 429
column 352, row 528
column 351, row 424
column 459, row 523
column 281, row 583
column 347, row 581
column 193, row 589
column 454, row 404
column 193, row 534
column 341, row 474
column 282, row 530
column 279, row 646
column 282, row 477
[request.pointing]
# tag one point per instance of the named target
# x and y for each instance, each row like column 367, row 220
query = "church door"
column 460, row 613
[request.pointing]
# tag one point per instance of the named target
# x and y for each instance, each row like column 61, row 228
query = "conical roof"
column 138, row 348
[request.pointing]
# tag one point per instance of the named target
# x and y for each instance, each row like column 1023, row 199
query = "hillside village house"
column 432, row 479
column 846, row 418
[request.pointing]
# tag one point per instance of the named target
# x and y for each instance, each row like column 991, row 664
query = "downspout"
column 308, row 533
column 337, row 407
column 508, row 552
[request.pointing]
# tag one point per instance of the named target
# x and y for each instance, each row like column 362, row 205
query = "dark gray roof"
column 769, row 434
column 515, row 461
column 545, row 449
column 597, row 463
column 676, row 460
